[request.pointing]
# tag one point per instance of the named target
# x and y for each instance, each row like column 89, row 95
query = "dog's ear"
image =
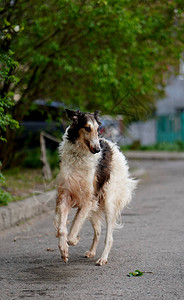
column 97, row 116
column 72, row 114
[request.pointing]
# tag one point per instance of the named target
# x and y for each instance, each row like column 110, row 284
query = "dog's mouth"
column 93, row 150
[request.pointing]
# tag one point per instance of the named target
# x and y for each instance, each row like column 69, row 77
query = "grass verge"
column 24, row 180
column 177, row 146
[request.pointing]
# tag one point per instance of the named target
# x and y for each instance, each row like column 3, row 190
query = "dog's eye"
column 87, row 128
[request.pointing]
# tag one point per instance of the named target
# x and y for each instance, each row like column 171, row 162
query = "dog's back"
column 120, row 187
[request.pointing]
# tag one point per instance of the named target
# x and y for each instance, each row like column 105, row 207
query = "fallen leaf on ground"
column 135, row 273
column 49, row 249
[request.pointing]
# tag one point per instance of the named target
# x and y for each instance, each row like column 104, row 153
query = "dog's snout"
column 96, row 150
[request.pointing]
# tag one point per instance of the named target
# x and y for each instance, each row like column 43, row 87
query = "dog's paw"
column 101, row 262
column 73, row 241
column 89, row 254
column 65, row 258
column 64, row 252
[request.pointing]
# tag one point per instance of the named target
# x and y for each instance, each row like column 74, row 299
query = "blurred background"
column 122, row 57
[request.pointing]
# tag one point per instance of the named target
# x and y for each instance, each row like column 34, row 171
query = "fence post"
column 46, row 168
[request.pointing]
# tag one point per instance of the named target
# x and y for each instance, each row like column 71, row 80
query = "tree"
column 7, row 63
column 112, row 55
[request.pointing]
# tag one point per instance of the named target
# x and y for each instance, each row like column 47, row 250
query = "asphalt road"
column 152, row 241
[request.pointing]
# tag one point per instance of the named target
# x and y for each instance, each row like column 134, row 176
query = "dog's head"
column 84, row 129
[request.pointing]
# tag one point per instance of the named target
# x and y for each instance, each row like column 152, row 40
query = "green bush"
column 32, row 158
column 5, row 198
column 53, row 158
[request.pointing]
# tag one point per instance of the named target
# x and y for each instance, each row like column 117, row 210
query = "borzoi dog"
column 94, row 178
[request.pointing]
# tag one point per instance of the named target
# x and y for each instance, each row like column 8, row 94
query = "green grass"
column 177, row 146
column 21, row 183
column 26, row 179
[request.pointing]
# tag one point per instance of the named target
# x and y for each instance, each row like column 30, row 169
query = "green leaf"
column 135, row 273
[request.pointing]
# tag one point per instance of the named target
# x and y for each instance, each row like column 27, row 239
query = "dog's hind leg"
column 110, row 223
column 62, row 211
column 96, row 223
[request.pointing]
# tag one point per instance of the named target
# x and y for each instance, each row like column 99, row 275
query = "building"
column 168, row 123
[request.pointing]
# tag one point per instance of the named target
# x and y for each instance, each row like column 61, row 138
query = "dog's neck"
column 74, row 154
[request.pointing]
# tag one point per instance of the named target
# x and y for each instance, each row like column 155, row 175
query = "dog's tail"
column 125, row 201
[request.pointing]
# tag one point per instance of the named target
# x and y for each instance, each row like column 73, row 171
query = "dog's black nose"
column 96, row 150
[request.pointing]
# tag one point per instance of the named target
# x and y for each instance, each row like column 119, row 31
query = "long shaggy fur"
column 94, row 177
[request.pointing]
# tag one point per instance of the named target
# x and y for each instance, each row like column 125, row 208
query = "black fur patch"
column 104, row 166
column 73, row 131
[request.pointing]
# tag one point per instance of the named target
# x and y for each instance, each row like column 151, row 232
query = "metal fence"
column 170, row 128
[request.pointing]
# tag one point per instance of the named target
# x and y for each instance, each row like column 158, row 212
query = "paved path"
column 152, row 240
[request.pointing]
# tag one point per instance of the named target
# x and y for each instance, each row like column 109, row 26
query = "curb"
column 154, row 155
column 17, row 212
column 20, row 211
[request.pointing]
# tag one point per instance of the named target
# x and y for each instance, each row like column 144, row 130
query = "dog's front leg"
column 78, row 221
column 62, row 211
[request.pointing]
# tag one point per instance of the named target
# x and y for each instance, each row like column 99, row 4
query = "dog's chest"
column 78, row 183
column 78, row 164
column 77, row 173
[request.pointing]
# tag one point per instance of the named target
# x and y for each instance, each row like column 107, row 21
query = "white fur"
column 76, row 177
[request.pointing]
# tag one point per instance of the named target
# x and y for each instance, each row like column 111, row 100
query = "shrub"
column 4, row 196
column 32, row 158
column 53, row 158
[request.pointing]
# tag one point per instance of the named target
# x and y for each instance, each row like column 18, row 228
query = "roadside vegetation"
column 26, row 178
column 176, row 146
